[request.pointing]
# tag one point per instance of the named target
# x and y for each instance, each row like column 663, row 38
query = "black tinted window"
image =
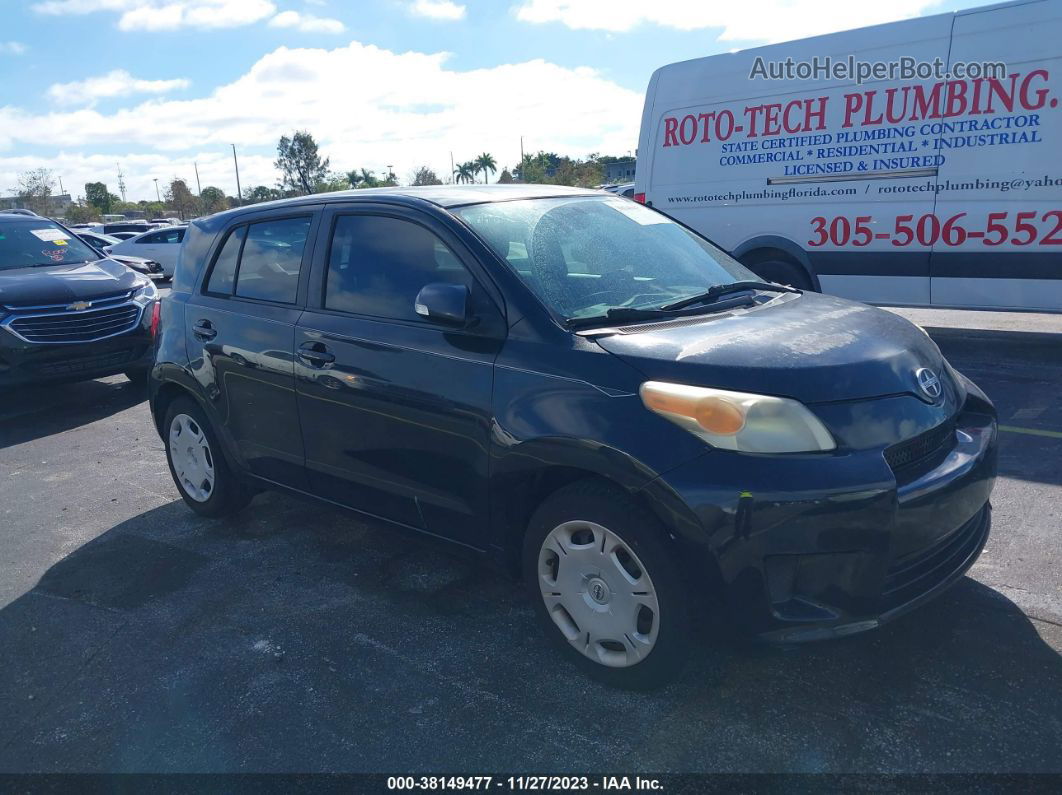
column 224, row 273
column 272, row 257
column 377, row 266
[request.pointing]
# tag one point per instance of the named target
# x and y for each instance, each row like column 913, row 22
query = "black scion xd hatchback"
column 585, row 390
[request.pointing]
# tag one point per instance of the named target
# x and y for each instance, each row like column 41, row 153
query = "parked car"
column 166, row 221
column 20, row 211
column 586, row 391
column 161, row 245
column 104, row 243
column 67, row 312
column 126, row 235
column 625, row 189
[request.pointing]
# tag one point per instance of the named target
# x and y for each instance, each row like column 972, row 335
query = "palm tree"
column 466, row 172
column 354, row 178
column 486, row 163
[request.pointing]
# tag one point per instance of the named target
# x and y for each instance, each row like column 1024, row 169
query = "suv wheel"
column 197, row 465
column 606, row 589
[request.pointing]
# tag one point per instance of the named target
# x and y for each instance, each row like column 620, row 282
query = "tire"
column 191, row 471
column 632, row 642
column 782, row 272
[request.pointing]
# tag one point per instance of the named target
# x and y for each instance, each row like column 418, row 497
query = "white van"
column 918, row 162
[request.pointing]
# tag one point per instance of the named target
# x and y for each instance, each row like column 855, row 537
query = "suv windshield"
column 586, row 255
column 36, row 241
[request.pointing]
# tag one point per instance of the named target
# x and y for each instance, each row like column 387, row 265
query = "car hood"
column 57, row 284
column 813, row 348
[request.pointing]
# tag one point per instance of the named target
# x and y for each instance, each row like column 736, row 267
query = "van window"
column 271, row 260
column 224, row 273
column 377, row 265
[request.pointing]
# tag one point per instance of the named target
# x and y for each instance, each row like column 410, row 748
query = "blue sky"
column 161, row 84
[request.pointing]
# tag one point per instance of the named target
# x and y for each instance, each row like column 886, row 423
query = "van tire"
column 228, row 493
column 780, row 271
column 604, row 506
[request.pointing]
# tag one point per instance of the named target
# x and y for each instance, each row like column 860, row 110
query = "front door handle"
column 204, row 330
column 316, row 354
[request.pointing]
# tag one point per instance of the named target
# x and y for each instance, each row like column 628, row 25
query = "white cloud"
column 12, row 48
column 306, row 23
column 438, row 9
column 113, row 84
column 764, row 20
column 415, row 110
column 166, row 14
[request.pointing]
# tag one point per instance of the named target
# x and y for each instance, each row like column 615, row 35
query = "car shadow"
column 297, row 637
column 32, row 412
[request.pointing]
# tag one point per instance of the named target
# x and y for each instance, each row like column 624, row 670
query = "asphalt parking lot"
column 136, row 636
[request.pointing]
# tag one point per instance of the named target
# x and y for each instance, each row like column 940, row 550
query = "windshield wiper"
column 629, row 314
column 714, row 293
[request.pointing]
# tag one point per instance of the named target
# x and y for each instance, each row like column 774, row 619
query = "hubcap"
column 191, row 457
column 598, row 593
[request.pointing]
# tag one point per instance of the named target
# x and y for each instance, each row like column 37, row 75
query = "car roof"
column 442, row 195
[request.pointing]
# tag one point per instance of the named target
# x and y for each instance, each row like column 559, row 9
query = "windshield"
column 36, row 241
column 586, row 255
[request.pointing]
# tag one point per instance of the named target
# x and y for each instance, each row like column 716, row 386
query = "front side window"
column 271, row 259
column 585, row 255
column 377, row 265
column 37, row 241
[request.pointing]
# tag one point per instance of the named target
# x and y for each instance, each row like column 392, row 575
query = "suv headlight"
column 738, row 420
column 146, row 293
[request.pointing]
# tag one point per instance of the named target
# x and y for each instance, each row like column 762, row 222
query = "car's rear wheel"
column 607, row 590
column 206, row 482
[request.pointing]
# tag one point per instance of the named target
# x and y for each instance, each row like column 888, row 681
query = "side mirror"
column 444, row 303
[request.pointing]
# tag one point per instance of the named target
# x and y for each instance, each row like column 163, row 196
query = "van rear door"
column 999, row 205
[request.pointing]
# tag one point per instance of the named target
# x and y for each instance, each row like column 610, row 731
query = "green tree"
column 96, row 193
column 505, row 178
column 213, row 200
column 35, row 190
column 261, row 193
column 82, row 212
column 180, row 198
column 486, row 163
column 362, row 178
column 300, row 164
column 332, row 182
column 425, row 176
column 466, row 172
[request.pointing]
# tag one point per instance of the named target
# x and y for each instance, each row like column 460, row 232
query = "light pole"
column 157, row 195
column 390, row 175
column 239, row 192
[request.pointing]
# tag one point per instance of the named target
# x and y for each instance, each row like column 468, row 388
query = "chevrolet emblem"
column 77, row 306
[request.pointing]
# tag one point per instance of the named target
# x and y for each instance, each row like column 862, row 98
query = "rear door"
column 240, row 332
column 998, row 239
column 395, row 409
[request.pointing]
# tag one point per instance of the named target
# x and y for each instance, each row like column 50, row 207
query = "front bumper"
column 812, row 547
column 24, row 363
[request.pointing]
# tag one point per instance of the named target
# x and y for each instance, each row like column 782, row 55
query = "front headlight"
column 738, row 420
column 146, row 293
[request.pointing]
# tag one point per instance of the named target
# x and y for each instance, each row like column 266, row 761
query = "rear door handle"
column 316, row 354
column 204, row 330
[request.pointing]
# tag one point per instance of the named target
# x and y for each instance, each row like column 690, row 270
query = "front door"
column 395, row 409
column 240, row 328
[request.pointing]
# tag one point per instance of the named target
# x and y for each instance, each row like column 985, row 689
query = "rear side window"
column 377, row 265
column 166, row 236
column 271, row 259
column 224, row 274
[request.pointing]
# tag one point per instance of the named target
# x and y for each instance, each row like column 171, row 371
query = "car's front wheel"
column 206, row 482
column 606, row 587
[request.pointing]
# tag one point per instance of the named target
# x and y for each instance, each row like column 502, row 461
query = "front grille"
column 70, row 326
column 919, row 572
column 914, row 457
column 86, row 364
